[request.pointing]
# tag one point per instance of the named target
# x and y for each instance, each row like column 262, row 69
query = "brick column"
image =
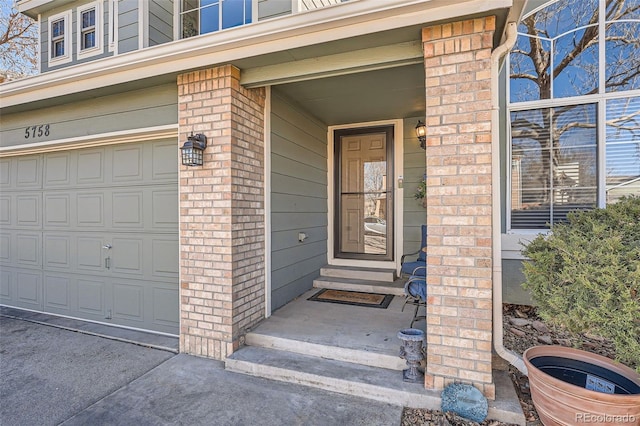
column 457, row 59
column 221, row 212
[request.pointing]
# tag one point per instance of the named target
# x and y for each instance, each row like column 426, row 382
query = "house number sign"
column 37, row 131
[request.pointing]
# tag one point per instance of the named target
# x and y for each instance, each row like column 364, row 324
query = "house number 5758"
column 36, row 131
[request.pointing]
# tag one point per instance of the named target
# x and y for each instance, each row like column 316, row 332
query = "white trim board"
column 102, row 139
column 267, row 202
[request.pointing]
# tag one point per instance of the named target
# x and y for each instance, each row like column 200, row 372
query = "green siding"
column 160, row 21
column 127, row 26
column 298, row 199
column 154, row 106
column 512, row 279
column 271, row 8
column 414, row 168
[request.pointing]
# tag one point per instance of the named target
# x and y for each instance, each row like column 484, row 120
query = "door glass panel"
column 364, row 197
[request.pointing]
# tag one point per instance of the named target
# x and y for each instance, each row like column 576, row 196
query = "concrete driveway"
column 49, row 374
column 52, row 376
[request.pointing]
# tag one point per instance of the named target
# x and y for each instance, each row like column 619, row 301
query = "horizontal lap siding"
column 155, row 106
column 160, row 22
column 298, row 199
column 127, row 26
column 272, row 8
column 414, row 168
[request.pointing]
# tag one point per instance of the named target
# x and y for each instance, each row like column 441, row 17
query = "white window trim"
column 99, row 47
column 40, row 59
column 113, row 26
column 53, row 61
column 143, row 24
column 599, row 99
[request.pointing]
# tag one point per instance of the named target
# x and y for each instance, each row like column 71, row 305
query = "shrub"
column 585, row 275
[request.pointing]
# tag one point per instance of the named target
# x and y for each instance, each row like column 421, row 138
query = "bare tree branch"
column 18, row 44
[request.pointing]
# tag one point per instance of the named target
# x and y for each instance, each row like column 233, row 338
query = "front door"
column 364, row 193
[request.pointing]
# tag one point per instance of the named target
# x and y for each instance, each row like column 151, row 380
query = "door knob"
column 107, row 246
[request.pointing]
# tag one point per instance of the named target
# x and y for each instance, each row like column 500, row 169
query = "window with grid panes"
column 574, row 110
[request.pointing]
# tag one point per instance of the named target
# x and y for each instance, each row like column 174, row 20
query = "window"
column 88, row 29
column 59, row 39
column 89, row 32
column 206, row 16
column 574, row 110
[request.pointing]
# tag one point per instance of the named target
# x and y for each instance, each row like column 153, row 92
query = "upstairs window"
column 574, row 110
column 89, row 31
column 59, row 38
column 206, row 16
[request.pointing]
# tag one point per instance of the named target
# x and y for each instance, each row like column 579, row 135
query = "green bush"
column 585, row 275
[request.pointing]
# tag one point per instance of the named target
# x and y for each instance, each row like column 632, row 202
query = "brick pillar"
column 457, row 59
column 221, row 212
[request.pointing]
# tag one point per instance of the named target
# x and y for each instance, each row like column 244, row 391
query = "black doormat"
column 355, row 298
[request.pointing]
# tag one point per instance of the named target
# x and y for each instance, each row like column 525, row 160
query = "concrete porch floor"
column 362, row 335
column 349, row 349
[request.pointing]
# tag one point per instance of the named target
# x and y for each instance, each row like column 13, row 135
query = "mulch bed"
column 523, row 328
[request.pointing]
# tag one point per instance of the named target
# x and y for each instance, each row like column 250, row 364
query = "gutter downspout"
column 496, row 225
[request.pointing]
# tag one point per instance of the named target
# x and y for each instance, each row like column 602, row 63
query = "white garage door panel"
column 27, row 246
column 57, row 292
column 29, row 289
column 57, row 210
column 5, row 210
column 76, row 295
column 93, row 234
column 91, row 299
column 28, row 210
column 5, row 248
column 89, row 253
column 28, row 172
column 57, row 252
column 6, row 285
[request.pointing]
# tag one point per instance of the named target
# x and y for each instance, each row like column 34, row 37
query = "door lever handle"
column 107, row 246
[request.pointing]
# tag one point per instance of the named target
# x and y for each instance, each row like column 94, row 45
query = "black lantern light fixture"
column 192, row 150
column 421, row 133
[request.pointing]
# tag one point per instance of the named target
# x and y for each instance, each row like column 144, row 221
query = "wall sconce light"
column 192, row 150
column 421, row 133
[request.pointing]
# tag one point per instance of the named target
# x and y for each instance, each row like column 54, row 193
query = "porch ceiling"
column 367, row 96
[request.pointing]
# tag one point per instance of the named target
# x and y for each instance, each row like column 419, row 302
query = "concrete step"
column 374, row 383
column 366, row 286
column 359, row 356
column 371, row 274
column 337, row 376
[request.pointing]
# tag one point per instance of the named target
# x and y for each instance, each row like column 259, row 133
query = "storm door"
column 364, row 193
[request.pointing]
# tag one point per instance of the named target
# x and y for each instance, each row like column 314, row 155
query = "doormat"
column 356, row 298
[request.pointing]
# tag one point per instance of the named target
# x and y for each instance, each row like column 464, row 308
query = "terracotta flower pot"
column 559, row 377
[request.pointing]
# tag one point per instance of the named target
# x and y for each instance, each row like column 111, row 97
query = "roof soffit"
column 285, row 39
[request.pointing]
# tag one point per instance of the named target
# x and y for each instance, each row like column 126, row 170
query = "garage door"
column 93, row 234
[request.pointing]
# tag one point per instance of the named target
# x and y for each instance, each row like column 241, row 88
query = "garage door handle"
column 107, row 262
